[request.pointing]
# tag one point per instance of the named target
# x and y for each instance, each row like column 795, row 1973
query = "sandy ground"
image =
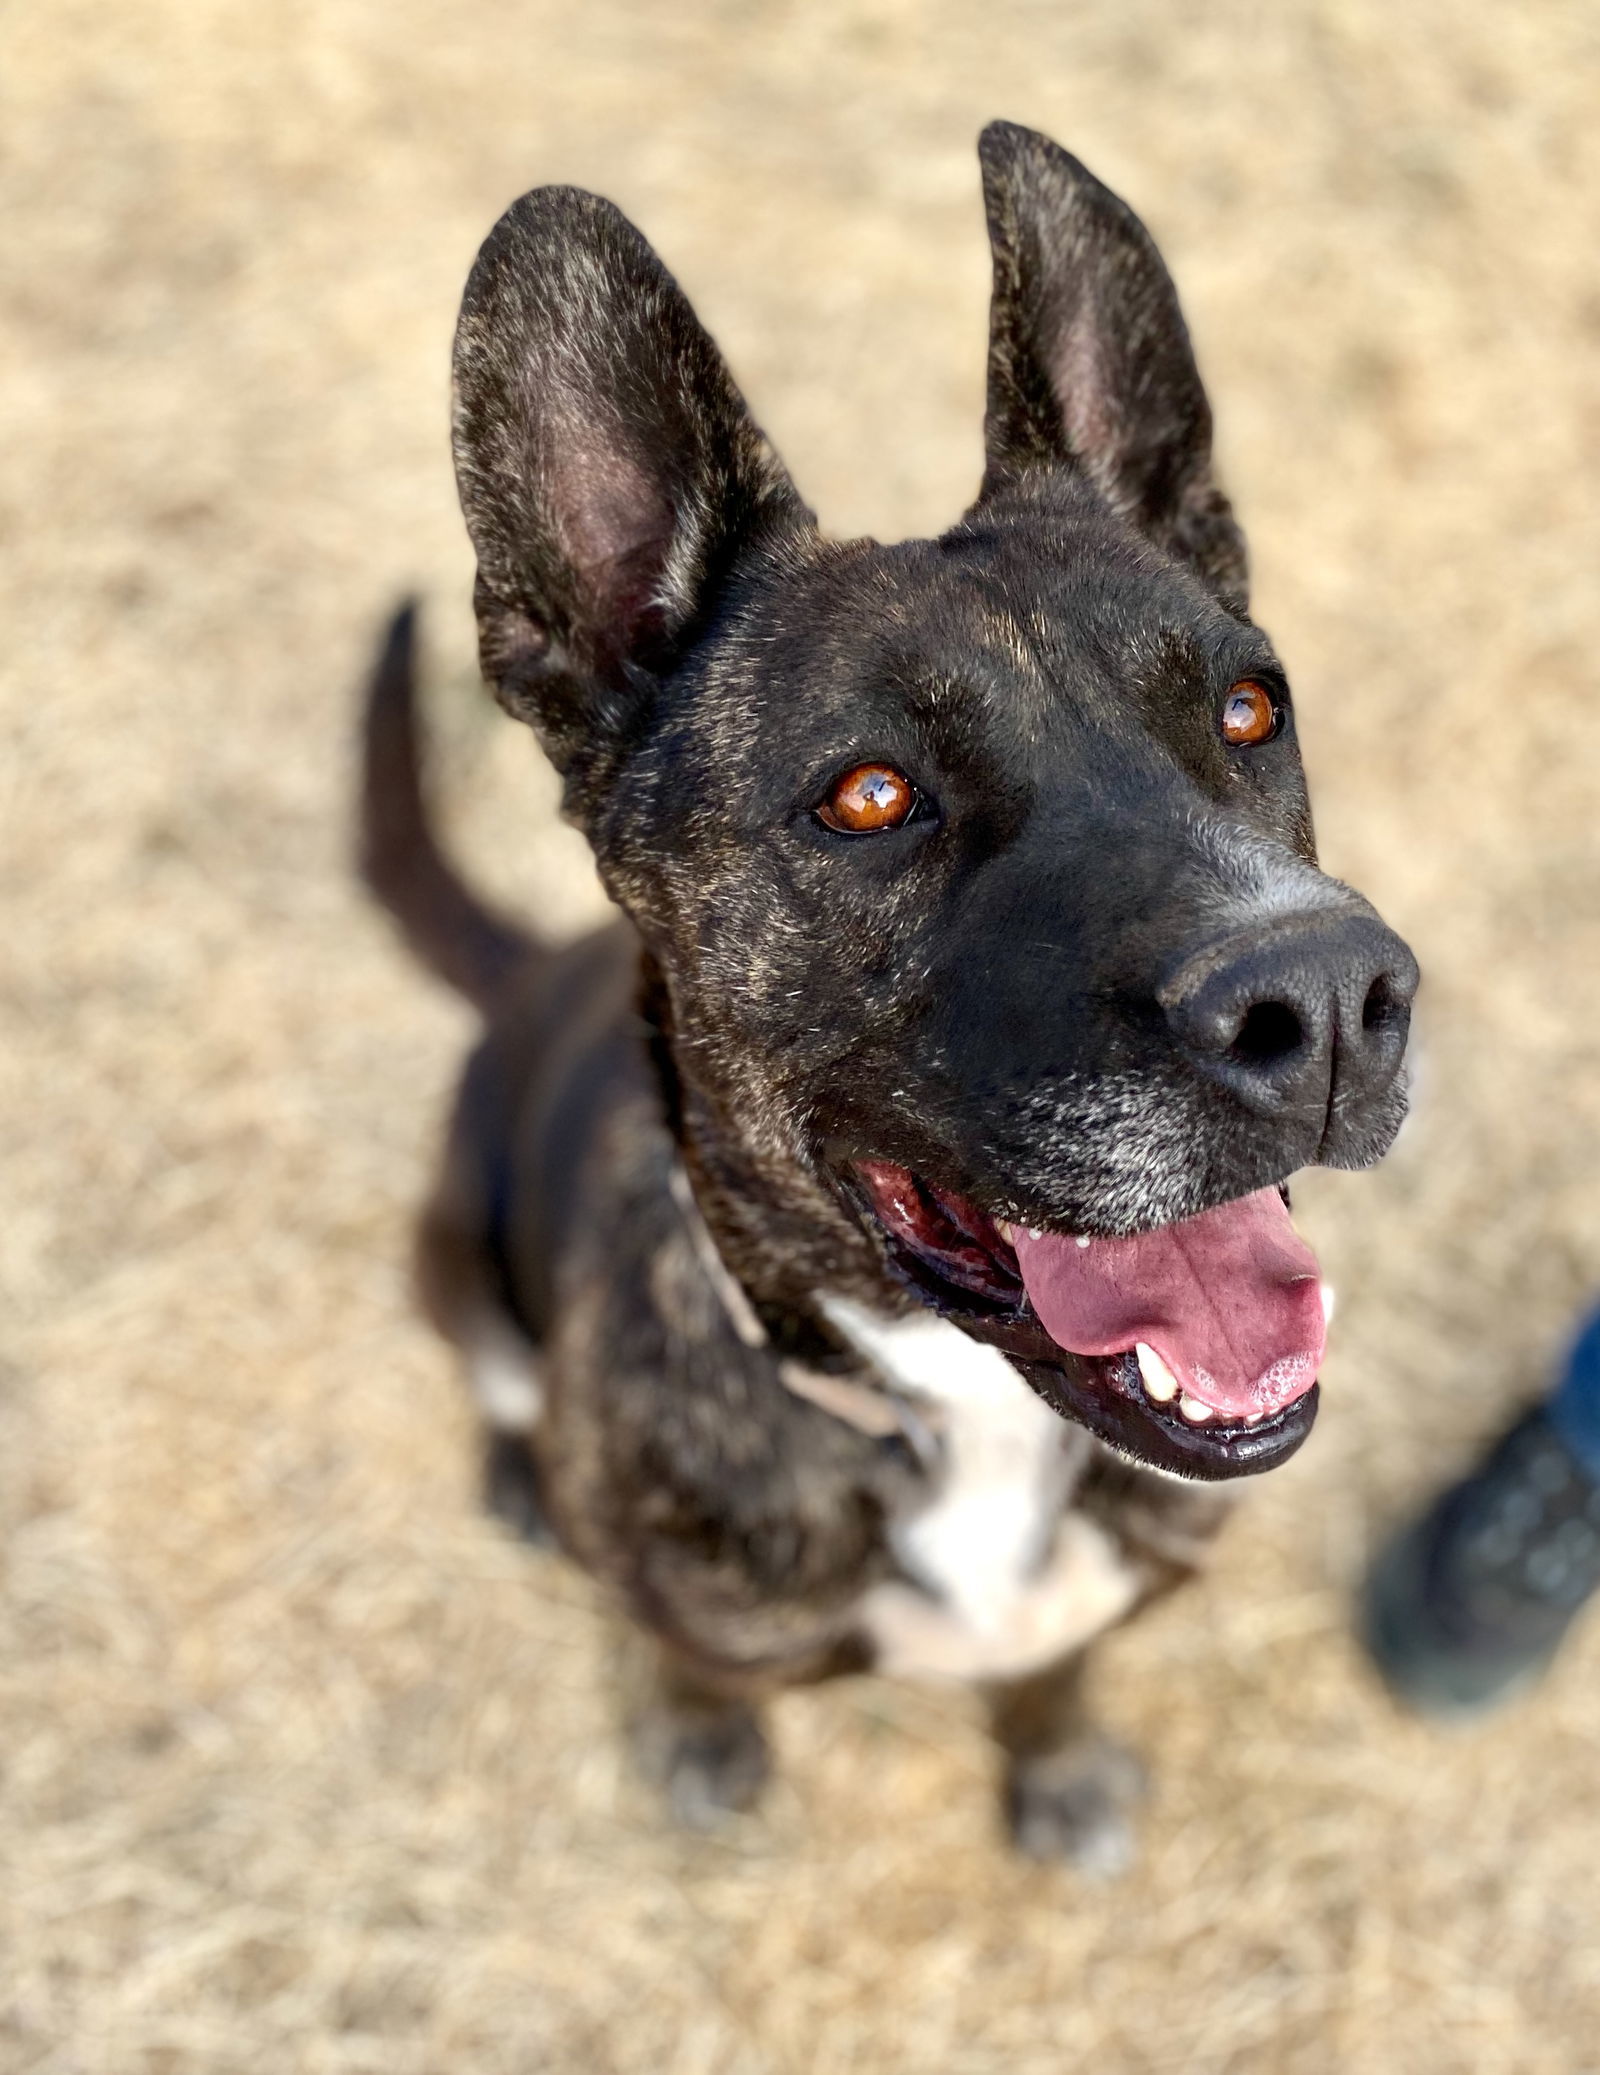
column 301, row 1766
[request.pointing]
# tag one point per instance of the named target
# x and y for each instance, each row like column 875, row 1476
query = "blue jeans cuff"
column 1573, row 1408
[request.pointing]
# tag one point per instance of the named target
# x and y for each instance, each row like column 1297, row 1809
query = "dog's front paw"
column 709, row 1768
column 1077, row 1806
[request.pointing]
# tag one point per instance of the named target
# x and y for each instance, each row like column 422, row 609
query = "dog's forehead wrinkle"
column 878, row 630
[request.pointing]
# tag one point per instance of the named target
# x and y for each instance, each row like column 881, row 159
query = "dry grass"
column 302, row 1767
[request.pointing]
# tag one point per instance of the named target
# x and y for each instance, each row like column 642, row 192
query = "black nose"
column 1305, row 1017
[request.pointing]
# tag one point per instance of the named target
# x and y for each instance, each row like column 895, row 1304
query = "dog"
column 871, row 1252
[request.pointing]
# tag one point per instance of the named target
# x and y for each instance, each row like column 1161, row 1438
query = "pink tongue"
column 1229, row 1300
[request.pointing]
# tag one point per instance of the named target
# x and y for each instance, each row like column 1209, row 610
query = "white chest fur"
column 1009, row 1580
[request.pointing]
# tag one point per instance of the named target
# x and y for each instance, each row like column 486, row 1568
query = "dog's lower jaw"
column 967, row 1268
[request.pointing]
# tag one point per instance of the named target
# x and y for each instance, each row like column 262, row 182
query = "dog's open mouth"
column 1193, row 1348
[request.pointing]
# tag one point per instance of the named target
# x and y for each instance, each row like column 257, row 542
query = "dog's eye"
column 867, row 799
column 1250, row 715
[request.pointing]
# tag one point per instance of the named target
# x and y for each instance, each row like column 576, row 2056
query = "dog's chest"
column 1002, row 1577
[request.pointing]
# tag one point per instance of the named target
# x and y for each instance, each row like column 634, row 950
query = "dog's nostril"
column 1381, row 1006
column 1270, row 1031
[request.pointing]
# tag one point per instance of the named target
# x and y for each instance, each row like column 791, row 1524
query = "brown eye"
column 867, row 799
column 1249, row 715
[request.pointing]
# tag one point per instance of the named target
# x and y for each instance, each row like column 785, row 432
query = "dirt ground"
column 303, row 1767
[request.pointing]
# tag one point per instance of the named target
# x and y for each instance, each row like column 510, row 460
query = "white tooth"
column 1082, row 1241
column 1159, row 1381
column 1329, row 1294
column 1036, row 1232
column 1193, row 1410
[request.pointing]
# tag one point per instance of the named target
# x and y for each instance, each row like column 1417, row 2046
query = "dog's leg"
column 700, row 1743
column 1069, row 1790
column 511, row 1488
column 456, row 1283
column 503, row 1376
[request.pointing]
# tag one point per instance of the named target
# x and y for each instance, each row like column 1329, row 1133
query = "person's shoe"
column 1467, row 1606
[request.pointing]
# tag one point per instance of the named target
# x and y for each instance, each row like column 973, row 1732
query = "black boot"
column 1467, row 1606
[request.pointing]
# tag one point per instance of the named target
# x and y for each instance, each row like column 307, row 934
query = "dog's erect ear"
column 1090, row 365
column 608, row 468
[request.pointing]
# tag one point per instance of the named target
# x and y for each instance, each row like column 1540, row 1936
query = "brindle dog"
column 872, row 1251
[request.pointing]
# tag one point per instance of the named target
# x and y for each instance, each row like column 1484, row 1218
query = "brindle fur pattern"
column 738, row 1523
column 969, row 995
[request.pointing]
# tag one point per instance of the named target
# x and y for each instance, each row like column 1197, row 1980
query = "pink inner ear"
column 616, row 527
column 1088, row 410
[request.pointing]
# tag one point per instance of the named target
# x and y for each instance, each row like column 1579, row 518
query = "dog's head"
column 979, row 870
